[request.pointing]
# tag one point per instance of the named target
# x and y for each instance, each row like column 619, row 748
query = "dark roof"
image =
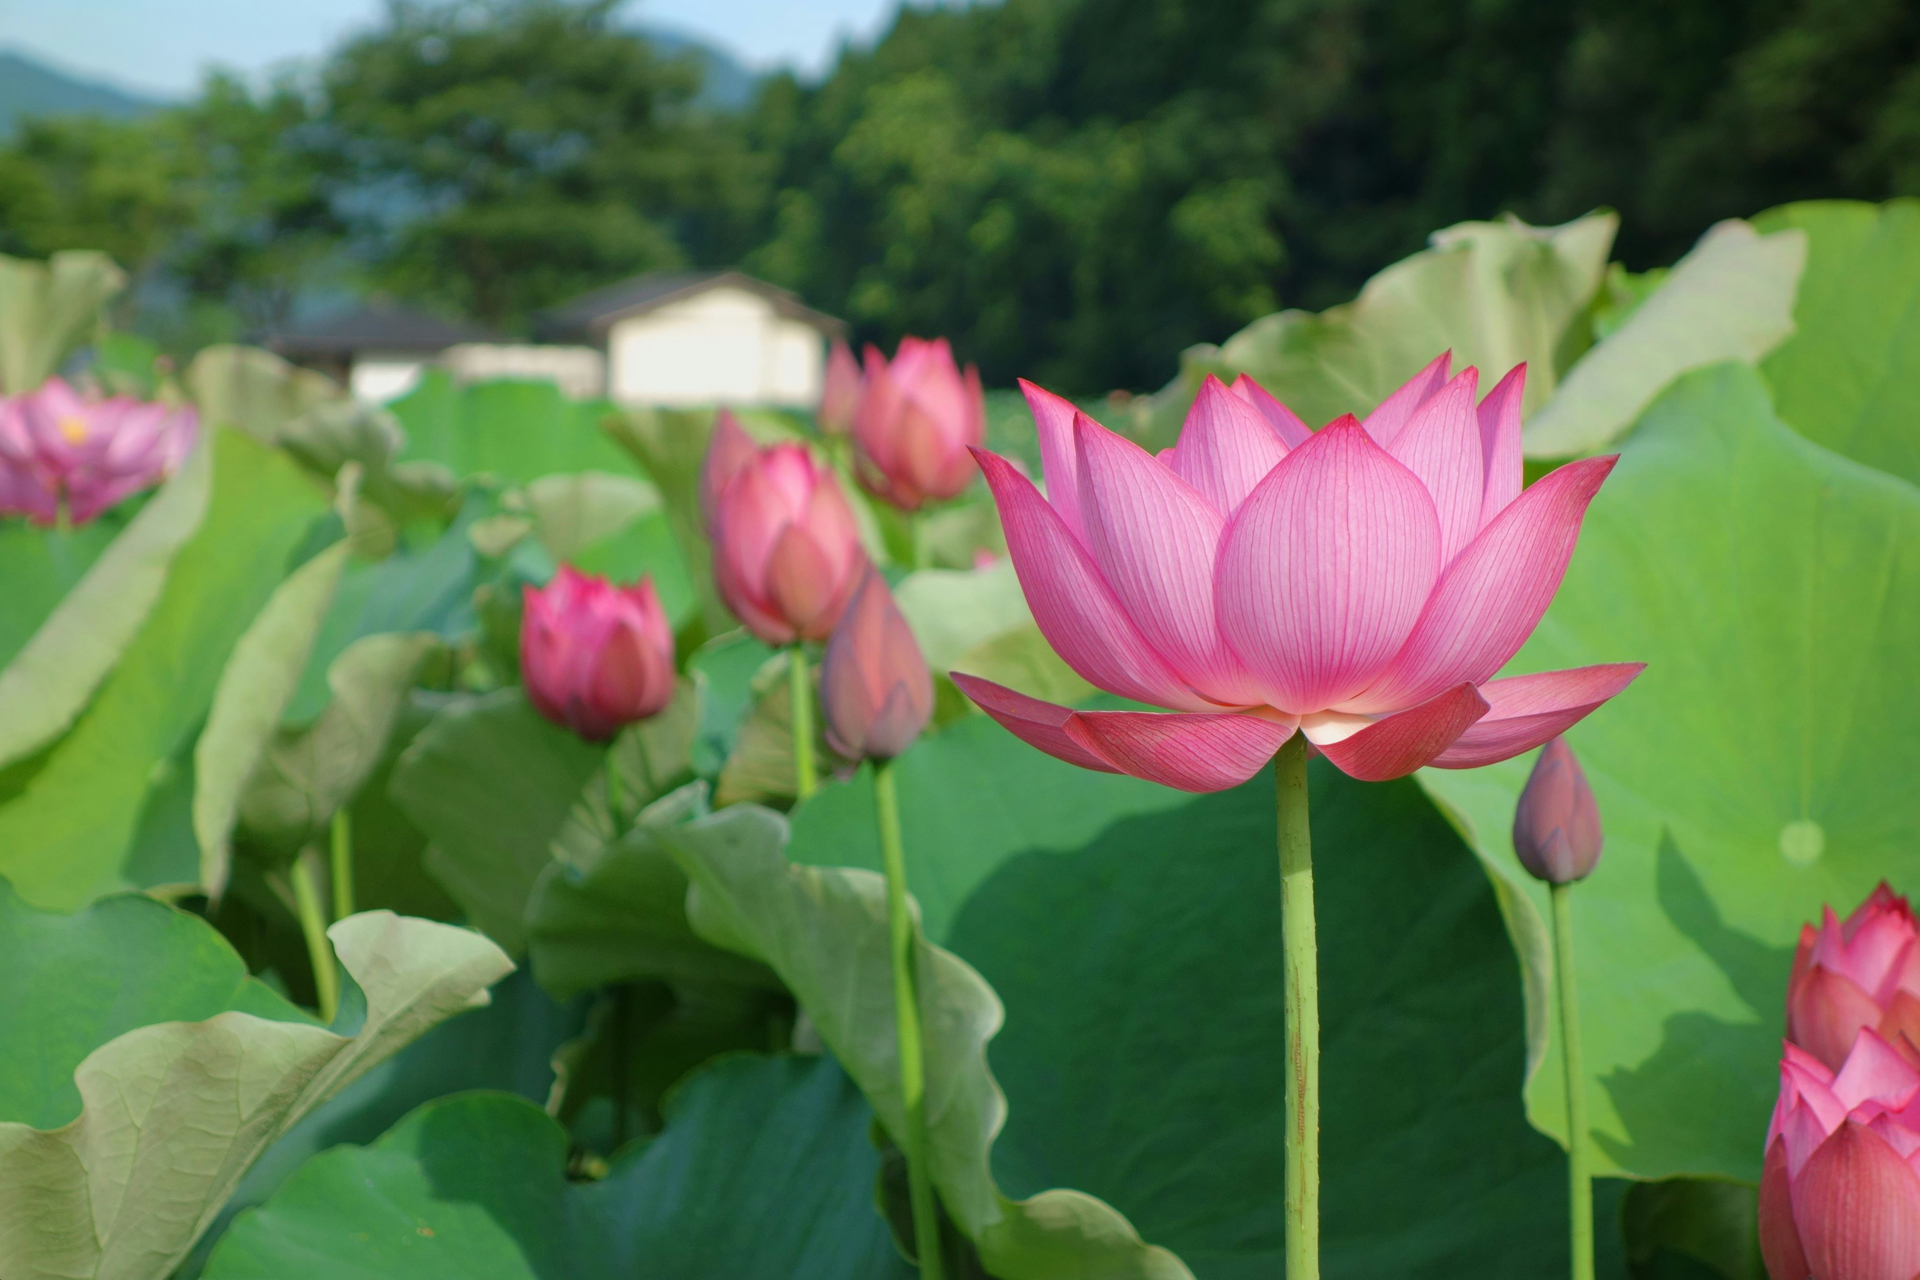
column 591, row 314
column 376, row 327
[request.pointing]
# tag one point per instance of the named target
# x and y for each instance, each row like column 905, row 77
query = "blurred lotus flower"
column 1362, row 583
column 1840, row 1190
column 728, row 449
column 1859, row 974
column 786, row 550
column 840, row 392
column 919, row 416
column 57, row 446
column 874, row 683
column 1556, row 825
column 595, row 657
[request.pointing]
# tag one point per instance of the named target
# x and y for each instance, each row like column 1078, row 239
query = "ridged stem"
column 1301, row 974
column 906, row 1010
column 801, row 693
column 313, row 925
column 1579, row 1174
column 341, row 849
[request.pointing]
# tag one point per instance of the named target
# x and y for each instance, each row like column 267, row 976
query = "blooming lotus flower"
column 874, row 683
column 919, row 417
column 57, row 446
column 840, row 391
column 1556, row 825
column 1840, row 1190
column 1361, row 584
column 1863, row 973
column 595, row 657
column 786, row 550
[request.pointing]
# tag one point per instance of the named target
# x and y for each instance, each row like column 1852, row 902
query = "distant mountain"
column 29, row 87
column 727, row 86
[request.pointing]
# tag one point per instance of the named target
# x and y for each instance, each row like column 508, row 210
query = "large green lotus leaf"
column 516, row 430
column 1850, row 377
column 254, row 690
column 254, row 391
column 764, row 1170
column 1132, row 933
column 70, row 833
column 1755, row 771
column 1730, row 298
column 47, row 682
column 953, row 610
column 173, row 1112
column 38, row 567
column 49, row 308
column 491, row 784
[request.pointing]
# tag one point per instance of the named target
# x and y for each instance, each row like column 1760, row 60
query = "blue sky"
column 162, row 45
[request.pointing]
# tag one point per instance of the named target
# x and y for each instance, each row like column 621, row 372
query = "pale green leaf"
column 47, row 309
column 952, row 611
column 572, row 512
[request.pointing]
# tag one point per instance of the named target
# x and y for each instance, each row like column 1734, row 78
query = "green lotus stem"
column 615, row 795
column 906, row 1008
column 1579, row 1175
column 1301, row 974
column 801, row 692
column 342, row 851
column 313, row 924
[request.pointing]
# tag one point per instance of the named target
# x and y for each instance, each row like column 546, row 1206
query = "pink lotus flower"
column 595, row 657
column 918, row 418
column 1556, row 825
column 1840, row 1190
column 1861, row 974
column 874, row 684
column 840, row 391
column 728, row 449
column 56, row 446
column 1362, row 584
column 786, row 550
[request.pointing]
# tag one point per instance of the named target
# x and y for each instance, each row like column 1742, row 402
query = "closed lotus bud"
column 918, row 419
column 786, row 550
column 875, row 689
column 840, row 393
column 1860, row 974
column 728, row 449
column 595, row 657
column 59, row 447
column 1556, row 827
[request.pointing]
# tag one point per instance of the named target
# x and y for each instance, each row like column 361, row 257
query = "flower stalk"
column 341, row 850
column 1579, row 1174
column 906, row 1004
column 800, row 693
column 313, row 926
column 1301, row 975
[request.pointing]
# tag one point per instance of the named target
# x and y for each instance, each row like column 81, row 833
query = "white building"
column 377, row 350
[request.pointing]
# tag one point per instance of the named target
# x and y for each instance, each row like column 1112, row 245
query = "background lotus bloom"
column 1863, row 973
column 1362, row 583
column 786, row 550
column 840, row 392
column 56, row 444
column 874, row 683
column 728, row 450
column 595, row 657
column 919, row 416
column 1840, row 1191
column 1556, row 825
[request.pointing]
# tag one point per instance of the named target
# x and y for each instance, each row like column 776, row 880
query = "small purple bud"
column 1556, row 826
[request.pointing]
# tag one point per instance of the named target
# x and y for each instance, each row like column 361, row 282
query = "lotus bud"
column 595, row 657
column 59, row 447
column 1556, row 827
column 918, row 418
column 786, row 550
column 1862, row 973
column 728, row 449
column 874, row 683
column 840, row 392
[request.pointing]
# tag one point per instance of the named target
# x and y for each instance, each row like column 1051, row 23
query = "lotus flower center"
column 73, row 428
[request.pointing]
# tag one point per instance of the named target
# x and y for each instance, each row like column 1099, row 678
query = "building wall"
column 579, row 372
column 717, row 347
column 380, row 376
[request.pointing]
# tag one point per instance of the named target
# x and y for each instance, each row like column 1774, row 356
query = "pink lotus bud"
column 786, row 550
column 1840, row 1190
column 1860, row 974
column 1556, row 826
column 918, row 418
column 874, row 684
column 840, row 393
column 728, row 449
column 595, row 657
column 56, row 446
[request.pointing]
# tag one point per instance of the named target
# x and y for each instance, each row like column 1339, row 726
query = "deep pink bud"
column 840, row 393
column 1556, row 826
column 595, row 657
column 1863, row 973
column 918, row 418
column 728, row 449
column 786, row 550
column 1840, row 1190
column 874, row 684
column 56, row 445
